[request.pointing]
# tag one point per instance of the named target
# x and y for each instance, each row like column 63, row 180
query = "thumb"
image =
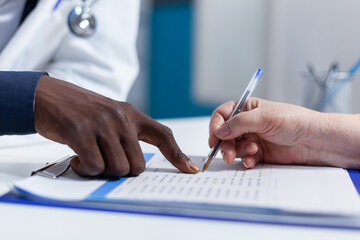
column 240, row 124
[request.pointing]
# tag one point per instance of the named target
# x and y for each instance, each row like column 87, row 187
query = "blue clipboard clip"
column 55, row 169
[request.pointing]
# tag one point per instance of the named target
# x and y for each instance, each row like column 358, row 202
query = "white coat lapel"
column 37, row 39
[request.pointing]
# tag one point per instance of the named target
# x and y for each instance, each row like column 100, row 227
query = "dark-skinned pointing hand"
column 104, row 133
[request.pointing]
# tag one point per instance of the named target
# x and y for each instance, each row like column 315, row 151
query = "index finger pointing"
column 162, row 137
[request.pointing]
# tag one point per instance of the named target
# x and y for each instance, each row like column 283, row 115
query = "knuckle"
column 252, row 103
column 268, row 119
column 95, row 167
column 179, row 157
column 214, row 114
column 82, row 126
column 137, row 169
column 216, row 119
column 215, row 122
column 122, row 171
column 166, row 132
column 248, row 104
column 105, row 117
column 128, row 107
column 121, row 116
column 235, row 121
column 119, row 170
column 166, row 137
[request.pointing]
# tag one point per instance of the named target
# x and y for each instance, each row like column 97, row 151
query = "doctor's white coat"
column 105, row 62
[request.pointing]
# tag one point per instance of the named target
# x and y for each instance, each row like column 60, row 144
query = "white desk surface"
column 20, row 155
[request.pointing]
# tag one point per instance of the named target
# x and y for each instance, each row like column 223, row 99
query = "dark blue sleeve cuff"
column 17, row 102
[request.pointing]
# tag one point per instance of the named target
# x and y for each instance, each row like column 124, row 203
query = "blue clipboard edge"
column 243, row 218
column 299, row 221
column 111, row 184
column 355, row 178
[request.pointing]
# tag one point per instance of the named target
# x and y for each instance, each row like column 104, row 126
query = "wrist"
column 42, row 100
column 334, row 140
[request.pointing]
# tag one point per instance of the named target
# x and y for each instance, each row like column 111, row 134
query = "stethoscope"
column 81, row 20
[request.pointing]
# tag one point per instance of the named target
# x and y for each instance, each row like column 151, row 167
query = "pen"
column 248, row 91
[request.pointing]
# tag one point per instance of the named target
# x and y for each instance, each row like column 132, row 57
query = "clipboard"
column 55, row 169
column 247, row 216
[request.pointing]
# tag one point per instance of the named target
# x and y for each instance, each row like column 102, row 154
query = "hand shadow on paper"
column 217, row 165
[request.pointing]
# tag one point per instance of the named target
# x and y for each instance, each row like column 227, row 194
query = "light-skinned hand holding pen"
column 237, row 109
column 281, row 133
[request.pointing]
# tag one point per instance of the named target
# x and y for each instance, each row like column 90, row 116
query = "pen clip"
column 55, row 169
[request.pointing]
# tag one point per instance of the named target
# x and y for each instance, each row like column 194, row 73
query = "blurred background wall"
column 195, row 55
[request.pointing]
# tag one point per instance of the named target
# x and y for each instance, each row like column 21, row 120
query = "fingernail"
column 251, row 148
column 223, row 131
column 194, row 167
column 254, row 147
column 245, row 164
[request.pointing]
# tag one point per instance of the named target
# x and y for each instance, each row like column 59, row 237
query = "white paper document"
column 292, row 189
